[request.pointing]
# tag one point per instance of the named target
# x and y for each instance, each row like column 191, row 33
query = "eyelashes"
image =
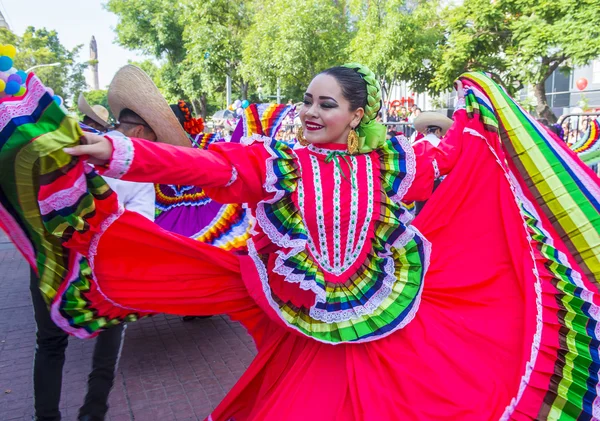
column 325, row 105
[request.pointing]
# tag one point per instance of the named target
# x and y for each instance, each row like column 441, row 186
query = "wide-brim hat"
column 431, row 118
column 97, row 112
column 133, row 89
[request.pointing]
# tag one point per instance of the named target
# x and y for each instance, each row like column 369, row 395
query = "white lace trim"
column 352, row 224
column 436, row 169
column 322, row 255
column 535, row 346
column 283, row 241
column 10, row 109
column 234, row 176
column 64, row 198
column 93, row 250
column 122, row 156
column 324, row 151
column 411, row 169
column 337, row 217
column 249, row 140
column 263, row 275
column 352, row 254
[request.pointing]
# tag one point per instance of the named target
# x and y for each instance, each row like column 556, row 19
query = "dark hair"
column 178, row 113
column 354, row 88
column 129, row 119
column 132, row 116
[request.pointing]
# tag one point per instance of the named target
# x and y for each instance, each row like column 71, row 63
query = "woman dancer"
column 476, row 310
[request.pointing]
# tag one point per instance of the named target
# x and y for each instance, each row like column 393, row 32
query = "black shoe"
column 190, row 318
column 90, row 418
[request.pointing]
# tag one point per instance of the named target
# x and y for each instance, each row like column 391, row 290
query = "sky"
column 75, row 21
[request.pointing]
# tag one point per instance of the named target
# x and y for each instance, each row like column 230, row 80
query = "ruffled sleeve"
column 433, row 162
column 230, row 173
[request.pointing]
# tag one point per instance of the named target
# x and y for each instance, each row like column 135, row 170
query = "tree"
column 214, row 31
column 155, row 28
column 42, row 46
column 397, row 39
column 293, row 40
column 519, row 41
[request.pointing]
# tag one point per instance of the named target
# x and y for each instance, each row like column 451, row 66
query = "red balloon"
column 581, row 83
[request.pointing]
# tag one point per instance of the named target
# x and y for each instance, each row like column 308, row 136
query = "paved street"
column 169, row 369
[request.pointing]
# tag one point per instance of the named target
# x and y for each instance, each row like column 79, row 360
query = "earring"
column 300, row 137
column 352, row 142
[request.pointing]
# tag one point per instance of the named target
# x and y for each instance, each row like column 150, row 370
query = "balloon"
column 581, row 83
column 245, row 103
column 15, row 78
column 23, row 76
column 12, row 87
column 2, row 85
column 5, row 63
column 50, row 91
column 4, row 76
column 237, row 103
column 58, row 99
column 239, row 112
column 22, row 91
column 10, row 51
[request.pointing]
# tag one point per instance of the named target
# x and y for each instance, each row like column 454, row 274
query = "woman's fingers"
column 90, row 139
column 459, row 88
column 98, row 152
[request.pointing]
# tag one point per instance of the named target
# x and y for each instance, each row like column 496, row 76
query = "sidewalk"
column 169, row 369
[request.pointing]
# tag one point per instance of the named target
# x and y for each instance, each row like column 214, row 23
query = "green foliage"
column 260, row 42
column 42, row 46
column 155, row 28
column 397, row 39
column 519, row 41
column 293, row 40
column 96, row 97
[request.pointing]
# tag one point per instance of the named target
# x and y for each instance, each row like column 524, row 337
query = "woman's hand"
column 460, row 95
column 96, row 149
column 460, row 91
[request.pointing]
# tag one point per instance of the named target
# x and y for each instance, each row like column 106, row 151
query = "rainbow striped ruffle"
column 561, row 379
column 43, row 190
column 264, row 119
column 588, row 146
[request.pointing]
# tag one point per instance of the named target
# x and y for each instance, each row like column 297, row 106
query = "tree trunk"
column 244, row 89
column 542, row 108
column 196, row 106
column 203, row 103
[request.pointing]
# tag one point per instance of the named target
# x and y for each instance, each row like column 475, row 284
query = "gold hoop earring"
column 300, row 137
column 352, row 142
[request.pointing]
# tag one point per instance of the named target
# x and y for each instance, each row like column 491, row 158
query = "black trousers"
column 51, row 343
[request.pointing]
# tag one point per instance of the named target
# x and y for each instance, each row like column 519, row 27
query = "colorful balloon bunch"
column 239, row 107
column 13, row 81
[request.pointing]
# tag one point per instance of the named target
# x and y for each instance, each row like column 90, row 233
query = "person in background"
column 138, row 116
column 95, row 116
column 431, row 126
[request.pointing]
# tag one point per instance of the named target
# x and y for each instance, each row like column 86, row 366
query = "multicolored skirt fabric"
column 42, row 188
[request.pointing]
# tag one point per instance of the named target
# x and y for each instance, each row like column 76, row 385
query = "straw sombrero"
column 96, row 112
column 431, row 118
column 132, row 88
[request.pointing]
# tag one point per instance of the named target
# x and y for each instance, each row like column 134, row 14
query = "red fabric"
column 445, row 156
column 211, row 169
column 461, row 358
